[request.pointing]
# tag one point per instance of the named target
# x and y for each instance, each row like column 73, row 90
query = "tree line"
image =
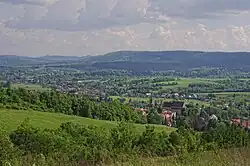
column 54, row 101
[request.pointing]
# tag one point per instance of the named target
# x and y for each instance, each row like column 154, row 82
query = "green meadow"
column 30, row 86
column 11, row 119
column 184, row 82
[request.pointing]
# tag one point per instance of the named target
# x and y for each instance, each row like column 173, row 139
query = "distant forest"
column 139, row 61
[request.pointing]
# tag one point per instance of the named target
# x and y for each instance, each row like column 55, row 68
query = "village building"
column 168, row 117
column 245, row 124
column 143, row 111
column 175, row 106
column 242, row 123
column 236, row 121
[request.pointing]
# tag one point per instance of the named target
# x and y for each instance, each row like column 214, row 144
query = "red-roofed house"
column 168, row 117
column 144, row 111
column 246, row 124
column 236, row 121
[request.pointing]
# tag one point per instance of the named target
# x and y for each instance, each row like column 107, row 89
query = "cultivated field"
column 30, row 86
column 184, row 82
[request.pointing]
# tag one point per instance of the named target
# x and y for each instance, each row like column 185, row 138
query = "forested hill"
column 173, row 60
column 140, row 61
column 14, row 60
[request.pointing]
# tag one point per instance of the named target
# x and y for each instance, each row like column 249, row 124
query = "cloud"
column 26, row 2
column 80, row 27
column 84, row 15
column 199, row 9
column 78, row 15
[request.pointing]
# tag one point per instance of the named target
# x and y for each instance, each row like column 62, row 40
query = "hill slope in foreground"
column 11, row 119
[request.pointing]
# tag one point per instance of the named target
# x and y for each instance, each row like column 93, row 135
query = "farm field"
column 11, row 119
column 184, row 82
column 231, row 93
column 223, row 94
column 30, row 86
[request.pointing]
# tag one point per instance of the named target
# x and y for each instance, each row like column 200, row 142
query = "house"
column 168, row 117
column 245, row 124
column 176, row 106
column 242, row 123
column 143, row 111
column 236, row 121
column 213, row 117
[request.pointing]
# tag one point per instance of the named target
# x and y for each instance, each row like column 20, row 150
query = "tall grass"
column 229, row 157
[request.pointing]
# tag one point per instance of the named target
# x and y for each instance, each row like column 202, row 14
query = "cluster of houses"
column 170, row 110
column 178, row 95
column 240, row 122
column 175, row 95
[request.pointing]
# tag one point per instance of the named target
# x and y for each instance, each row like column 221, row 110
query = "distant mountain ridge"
column 14, row 60
column 140, row 61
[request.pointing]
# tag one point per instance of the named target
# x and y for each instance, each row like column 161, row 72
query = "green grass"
column 184, row 82
column 30, row 87
column 231, row 93
column 230, row 157
column 224, row 94
column 11, row 119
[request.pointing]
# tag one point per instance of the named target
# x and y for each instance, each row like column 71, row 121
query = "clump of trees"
column 54, row 101
column 224, row 85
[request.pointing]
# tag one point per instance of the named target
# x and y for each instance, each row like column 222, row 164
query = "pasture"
column 11, row 119
column 30, row 87
column 184, row 82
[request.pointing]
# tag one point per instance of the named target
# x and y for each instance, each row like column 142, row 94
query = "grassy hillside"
column 11, row 119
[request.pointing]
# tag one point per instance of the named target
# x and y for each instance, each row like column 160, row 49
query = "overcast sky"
column 91, row 27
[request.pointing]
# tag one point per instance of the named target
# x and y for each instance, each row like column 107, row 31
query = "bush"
column 8, row 153
column 15, row 107
column 98, row 145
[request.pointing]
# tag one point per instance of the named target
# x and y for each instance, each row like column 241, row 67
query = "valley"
column 153, row 108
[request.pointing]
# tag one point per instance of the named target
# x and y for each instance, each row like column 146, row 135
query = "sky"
column 94, row 27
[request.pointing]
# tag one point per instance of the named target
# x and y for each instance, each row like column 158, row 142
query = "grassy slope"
column 11, row 119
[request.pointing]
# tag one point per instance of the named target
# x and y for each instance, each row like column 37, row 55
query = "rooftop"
column 178, row 104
